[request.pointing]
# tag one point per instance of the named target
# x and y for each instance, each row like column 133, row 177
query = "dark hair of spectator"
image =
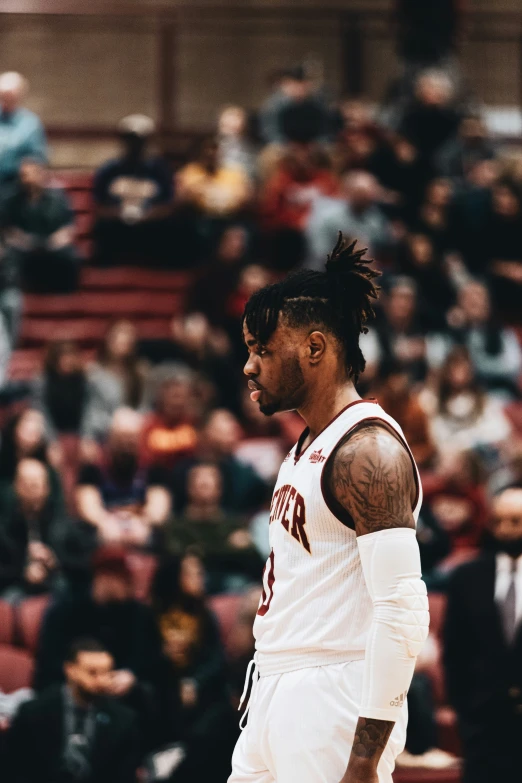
column 84, row 644
column 338, row 300
column 55, row 350
column 8, row 453
column 166, row 591
column 446, row 389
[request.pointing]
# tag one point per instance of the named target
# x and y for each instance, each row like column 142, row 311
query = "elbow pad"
column 391, row 566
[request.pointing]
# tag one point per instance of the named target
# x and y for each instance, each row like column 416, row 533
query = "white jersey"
column 315, row 608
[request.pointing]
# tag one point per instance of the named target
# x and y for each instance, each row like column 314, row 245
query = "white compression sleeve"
column 391, row 566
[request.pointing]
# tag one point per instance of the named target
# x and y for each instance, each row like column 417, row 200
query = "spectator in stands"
column 133, row 197
column 360, row 139
column 287, row 201
column 192, row 693
column 494, row 349
column 293, row 112
column 241, row 641
column 243, row 489
column 24, row 437
column 215, row 193
column 419, row 259
column 427, row 31
column 432, row 218
column 33, row 533
column 235, row 150
column 109, row 613
column 204, row 349
column 218, row 279
column 502, row 246
column 483, row 649
column 169, row 434
column 76, row 732
column 455, row 497
column 398, row 399
column 116, row 379
column 400, row 328
column 470, row 213
column 230, row 558
column 431, row 120
column 39, row 231
column 122, row 500
column 21, row 132
column 358, row 215
column 61, row 393
column 463, row 414
column 459, row 155
column 177, row 578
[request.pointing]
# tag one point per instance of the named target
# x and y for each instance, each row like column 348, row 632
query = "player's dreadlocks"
column 338, row 299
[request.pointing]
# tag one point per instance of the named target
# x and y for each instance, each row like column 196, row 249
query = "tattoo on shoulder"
column 371, row 736
column 372, row 477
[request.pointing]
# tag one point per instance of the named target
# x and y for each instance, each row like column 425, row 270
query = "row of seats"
column 148, row 297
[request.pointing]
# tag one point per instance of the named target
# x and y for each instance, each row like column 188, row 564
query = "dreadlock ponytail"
column 338, row 299
column 351, row 291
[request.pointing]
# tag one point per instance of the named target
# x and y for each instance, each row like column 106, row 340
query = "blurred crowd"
column 170, row 460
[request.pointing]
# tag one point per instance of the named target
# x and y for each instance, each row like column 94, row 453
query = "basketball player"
column 344, row 612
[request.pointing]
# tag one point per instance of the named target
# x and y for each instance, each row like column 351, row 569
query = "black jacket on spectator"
column 51, row 527
column 428, row 128
column 127, row 630
column 208, row 728
column 35, row 743
column 483, row 675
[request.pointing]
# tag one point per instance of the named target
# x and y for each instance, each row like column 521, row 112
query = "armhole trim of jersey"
column 332, row 503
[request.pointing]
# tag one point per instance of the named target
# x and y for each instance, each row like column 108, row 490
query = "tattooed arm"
column 371, row 476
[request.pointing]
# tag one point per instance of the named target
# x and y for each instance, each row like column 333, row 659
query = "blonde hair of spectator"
column 138, row 124
column 11, row 81
column 436, row 84
column 232, row 120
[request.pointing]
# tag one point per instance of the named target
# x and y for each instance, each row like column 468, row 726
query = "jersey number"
column 268, row 585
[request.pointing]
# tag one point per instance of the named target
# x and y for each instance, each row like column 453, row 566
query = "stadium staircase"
column 147, row 297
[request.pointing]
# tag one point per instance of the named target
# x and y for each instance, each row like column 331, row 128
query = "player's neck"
column 325, row 404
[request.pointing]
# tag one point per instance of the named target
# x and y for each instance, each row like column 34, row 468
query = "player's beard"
column 290, row 393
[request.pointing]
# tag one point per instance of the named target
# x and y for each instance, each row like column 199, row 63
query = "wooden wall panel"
column 229, row 63
column 83, row 70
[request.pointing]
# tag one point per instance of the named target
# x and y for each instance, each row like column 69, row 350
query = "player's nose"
column 250, row 366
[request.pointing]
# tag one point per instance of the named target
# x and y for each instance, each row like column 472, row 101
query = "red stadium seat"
column 226, row 608
column 83, row 224
column 81, row 200
column 16, row 668
column 125, row 278
column 25, row 364
column 132, row 304
column 417, row 775
column 29, row 619
column 74, row 180
column 87, row 331
column 143, row 568
column 6, row 623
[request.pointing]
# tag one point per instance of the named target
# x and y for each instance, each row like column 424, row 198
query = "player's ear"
column 316, row 347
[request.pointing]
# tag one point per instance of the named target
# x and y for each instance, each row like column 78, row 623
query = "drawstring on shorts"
column 252, row 672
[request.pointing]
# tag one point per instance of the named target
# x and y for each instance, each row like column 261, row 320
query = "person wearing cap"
column 21, row 131
column 133, row 199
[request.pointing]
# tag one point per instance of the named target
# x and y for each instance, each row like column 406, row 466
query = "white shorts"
column 301, row 727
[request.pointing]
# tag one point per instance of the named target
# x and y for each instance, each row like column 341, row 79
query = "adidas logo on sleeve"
column 398, row 701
